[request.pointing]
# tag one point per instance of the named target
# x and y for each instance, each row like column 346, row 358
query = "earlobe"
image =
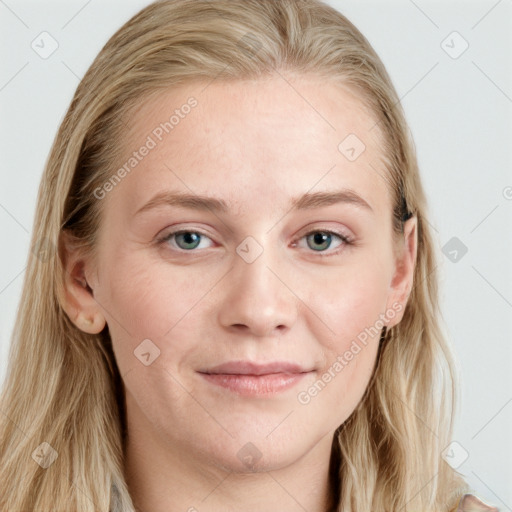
column 91, row 325
column 78, row 301
column 405, row 264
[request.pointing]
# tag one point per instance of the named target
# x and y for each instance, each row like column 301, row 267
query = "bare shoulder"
column 470, row 503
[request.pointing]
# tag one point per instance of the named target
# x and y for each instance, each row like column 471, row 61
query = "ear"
column 78, row 301
column 405, row 263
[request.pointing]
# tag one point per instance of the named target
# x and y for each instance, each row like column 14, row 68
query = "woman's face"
column 248, row 338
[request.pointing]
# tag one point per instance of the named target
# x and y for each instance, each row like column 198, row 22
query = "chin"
column 251, row 453
column 250, row 459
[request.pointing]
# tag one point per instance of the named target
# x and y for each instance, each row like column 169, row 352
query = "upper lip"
column 251, row 368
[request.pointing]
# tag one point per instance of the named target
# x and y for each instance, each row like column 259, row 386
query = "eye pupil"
column 189, row 238
column 321, row 238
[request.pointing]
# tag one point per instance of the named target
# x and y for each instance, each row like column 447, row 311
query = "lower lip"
column 255, row 384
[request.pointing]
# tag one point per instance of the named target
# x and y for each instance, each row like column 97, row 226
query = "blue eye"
column 319, row 241
column 189, row 239
column 186, row 240
column 320, row 238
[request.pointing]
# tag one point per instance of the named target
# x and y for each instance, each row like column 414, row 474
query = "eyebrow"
column 205, row 203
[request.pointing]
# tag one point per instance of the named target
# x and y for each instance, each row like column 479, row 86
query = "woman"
column 236, row 307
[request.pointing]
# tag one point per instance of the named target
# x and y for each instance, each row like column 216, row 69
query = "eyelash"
column 322, row 254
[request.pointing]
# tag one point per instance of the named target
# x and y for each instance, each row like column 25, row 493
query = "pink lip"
column 247, row 378
column 250, row 368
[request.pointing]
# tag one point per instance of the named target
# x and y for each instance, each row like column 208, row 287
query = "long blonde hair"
column 63, row 386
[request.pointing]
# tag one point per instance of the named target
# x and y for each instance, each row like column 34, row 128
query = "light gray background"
column 460, row 113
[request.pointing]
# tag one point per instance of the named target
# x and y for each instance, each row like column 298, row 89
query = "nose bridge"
column 257, row 296
column 253, row 263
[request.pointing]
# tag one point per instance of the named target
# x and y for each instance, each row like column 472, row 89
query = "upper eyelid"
column 333, row 231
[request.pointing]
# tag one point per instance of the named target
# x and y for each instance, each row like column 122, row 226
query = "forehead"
column 277, row 137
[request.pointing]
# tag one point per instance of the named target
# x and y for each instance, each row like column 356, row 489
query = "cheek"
column 142, row 299
column 350, row 302
column 351, row 308
column 348, row 355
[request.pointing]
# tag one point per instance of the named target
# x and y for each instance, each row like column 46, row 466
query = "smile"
column 255, row 384
column 247, row 378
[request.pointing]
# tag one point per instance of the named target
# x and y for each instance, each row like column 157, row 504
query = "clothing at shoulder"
column 470, row 503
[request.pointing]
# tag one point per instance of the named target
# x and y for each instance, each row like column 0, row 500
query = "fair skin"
column 255, row 145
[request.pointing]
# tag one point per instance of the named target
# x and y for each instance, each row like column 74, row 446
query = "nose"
column 259, row 299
